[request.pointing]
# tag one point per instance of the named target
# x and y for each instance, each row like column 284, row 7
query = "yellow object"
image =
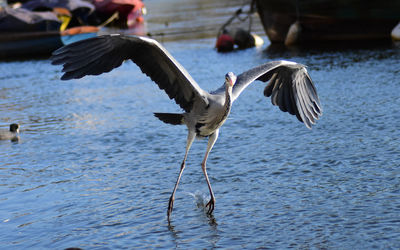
column 64, row 15
column 64, row 22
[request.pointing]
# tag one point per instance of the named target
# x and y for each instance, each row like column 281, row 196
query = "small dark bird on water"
column 290, row 87
column 11, row 134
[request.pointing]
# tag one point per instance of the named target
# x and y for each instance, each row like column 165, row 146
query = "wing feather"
column 102, row 54
column 290, row 88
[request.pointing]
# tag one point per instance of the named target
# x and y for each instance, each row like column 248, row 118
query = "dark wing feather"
column 290, row 88
column 98, row 55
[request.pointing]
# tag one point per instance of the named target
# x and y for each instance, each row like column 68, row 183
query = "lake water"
column 94, row 169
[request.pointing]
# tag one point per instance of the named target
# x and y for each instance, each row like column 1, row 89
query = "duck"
column 11, row 134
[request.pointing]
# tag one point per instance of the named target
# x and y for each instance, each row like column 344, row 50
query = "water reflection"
column 209, row 234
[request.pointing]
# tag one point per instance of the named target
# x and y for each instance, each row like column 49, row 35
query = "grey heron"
column 290, row 87
column 11, row 134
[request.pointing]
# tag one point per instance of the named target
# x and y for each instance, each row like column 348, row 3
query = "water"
column 94, row 169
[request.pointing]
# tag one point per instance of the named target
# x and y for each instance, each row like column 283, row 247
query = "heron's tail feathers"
column 174, row 119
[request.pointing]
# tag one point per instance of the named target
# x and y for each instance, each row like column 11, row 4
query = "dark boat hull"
column 328, row 20
column 24, row 33
column 29, row 44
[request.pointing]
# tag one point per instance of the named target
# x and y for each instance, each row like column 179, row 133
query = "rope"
column 150, row 34
column 237, row 14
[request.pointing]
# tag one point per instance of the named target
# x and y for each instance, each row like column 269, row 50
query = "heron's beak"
column 231, row 82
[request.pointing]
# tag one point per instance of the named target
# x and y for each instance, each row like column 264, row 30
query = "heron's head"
column 230, row 79
column 14, row 128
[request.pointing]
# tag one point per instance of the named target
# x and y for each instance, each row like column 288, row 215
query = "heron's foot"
column 170, row 206
column 210, row 205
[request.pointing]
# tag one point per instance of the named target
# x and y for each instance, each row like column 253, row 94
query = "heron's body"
column 204, row 121
column 290, row 87
column 212, row 117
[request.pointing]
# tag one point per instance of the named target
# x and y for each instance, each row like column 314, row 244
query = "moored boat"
column 302, row 21
column 25, row 33
column 130, row 12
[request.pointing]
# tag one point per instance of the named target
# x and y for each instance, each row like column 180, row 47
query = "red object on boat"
column 224, row 43
column 129, row 11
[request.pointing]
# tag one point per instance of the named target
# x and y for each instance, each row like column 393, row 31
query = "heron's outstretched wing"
column 290, row 87
column 101, row 54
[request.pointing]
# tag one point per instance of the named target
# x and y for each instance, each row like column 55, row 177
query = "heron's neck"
column 228, row 96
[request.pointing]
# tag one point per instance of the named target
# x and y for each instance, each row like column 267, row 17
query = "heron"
column 11, row 134
column 289, row 86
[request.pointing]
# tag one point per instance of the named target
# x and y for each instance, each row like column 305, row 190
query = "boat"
column 35, row 28
column 306, row 21
column 25, row 33
column 80, row 12
column 130, row 12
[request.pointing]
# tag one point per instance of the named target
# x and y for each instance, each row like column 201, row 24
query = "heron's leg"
column 211, row 141
column 190, row 139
